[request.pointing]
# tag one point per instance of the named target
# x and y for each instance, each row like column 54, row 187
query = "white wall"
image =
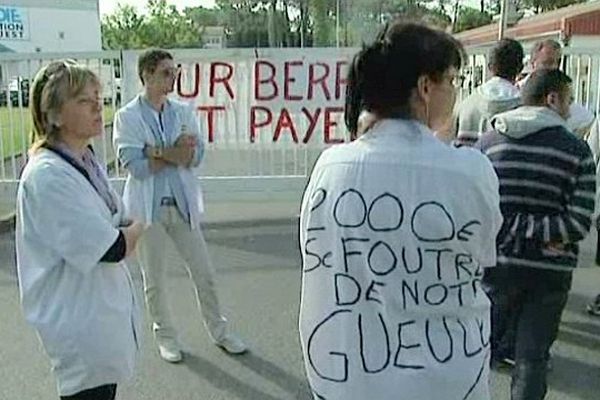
column 584, row 42
column 80, row 28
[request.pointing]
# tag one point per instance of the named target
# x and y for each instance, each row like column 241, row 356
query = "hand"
column 157, row 165
column 132, row 234
column 179, row 155
column 556, row 247
column 149, row 151
column 186, row 140
column 136, row 228
column 125, row 222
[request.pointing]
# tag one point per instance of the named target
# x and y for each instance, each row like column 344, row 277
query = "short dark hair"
column 506, row 59
column 149, row 59
column 383, row 75
column 541, row 83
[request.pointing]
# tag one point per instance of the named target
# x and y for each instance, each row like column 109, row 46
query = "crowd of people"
column 438, row 243
column 509, row 162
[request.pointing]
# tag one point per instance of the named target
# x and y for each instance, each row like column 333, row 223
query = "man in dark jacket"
column 547, row 190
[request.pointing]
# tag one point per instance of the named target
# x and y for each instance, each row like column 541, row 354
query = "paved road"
column 259, row 281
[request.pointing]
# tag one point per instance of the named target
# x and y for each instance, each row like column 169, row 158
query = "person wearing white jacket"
column 375, row 218
column 499, row 94
column 72, row 237
column 157, row 140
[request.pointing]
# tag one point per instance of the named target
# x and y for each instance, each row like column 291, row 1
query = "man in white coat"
column 157, row 140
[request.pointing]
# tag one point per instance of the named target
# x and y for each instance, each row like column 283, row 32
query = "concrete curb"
column 246, row 223
column 7, row 223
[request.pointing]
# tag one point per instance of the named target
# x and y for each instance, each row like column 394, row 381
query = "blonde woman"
column 71, row 239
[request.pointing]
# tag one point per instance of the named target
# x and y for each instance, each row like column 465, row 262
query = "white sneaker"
column 169, row 352
column 232, row 344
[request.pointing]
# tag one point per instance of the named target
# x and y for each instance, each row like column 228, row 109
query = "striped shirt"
column 547, row 190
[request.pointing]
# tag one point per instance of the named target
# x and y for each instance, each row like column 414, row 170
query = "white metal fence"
column 16, row 73
column 232, row 154
column 226, row 86
column 581, row 64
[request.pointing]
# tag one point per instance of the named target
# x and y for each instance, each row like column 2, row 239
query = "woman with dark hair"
column 395, row 229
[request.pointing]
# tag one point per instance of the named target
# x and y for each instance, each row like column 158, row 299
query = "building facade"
column 49, row 26
column 214, row 37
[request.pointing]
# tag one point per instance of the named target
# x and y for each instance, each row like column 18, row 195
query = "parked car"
column 13, row 93
column 108, row 91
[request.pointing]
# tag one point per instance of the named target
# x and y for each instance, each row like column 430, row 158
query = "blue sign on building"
column 14, row 23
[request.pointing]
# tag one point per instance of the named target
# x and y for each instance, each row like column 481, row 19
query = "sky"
column 108, row 6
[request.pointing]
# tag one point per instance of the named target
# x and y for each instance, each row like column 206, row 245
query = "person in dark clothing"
column 547, row 189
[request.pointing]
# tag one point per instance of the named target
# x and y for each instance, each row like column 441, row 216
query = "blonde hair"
column 52, row 86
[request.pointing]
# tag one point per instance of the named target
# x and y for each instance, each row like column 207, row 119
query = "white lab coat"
column 85, row 311
column 373, row 215
column 131, row 130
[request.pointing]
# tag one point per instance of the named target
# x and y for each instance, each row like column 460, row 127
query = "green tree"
column 367, row 16
column 323, row 23
column 164, row 26
column 537, row 6
column 122, row 29
column 546, row 5
column 202, row 16
column 257, row 23
column 469, row 18
column 246, row 22
column 168, row 28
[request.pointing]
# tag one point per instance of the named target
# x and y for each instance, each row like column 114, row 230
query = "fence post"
column 130, row 83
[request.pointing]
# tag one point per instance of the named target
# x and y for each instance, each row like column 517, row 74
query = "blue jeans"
column 534, row 299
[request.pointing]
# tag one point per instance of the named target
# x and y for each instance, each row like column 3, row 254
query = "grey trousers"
column 191, row 246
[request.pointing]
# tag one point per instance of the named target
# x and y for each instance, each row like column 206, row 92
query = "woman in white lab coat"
column 71, row 239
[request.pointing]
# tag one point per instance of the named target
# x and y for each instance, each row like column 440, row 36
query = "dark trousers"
column 532, row 300
column 105, row 392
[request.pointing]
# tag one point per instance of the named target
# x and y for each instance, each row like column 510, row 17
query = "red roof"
column 581, row 19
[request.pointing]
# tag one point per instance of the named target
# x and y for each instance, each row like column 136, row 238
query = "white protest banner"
column 293, row 96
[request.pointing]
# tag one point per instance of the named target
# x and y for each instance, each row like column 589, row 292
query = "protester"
column 71, row 239
column 157, row 140
column 547, row 186
column 547, row 54
column 395, row 229
column 497, row 95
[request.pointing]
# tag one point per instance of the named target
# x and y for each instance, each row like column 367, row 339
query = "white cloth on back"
column 395, row 230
